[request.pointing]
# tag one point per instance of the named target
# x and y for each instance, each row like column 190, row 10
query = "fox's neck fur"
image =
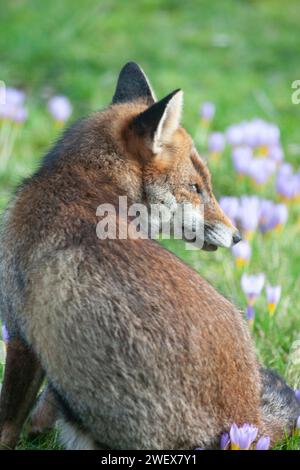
column 102, row 151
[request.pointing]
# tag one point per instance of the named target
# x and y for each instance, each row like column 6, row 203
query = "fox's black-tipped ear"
column 133, row 85
column 158, row 123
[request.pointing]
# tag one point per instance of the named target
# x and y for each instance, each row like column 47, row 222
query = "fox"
column 138, row 350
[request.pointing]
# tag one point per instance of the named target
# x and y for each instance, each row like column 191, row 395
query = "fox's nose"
column 236, row 237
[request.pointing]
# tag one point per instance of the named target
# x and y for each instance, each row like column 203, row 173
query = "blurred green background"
column 241, row 55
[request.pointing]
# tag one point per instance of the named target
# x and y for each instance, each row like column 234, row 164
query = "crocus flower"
column 280, row 216
column 298, row 423
column 286, row 186
column 272, row 216
column 287, row 183
column 252, row 286
column 20, row 115
column 297, row 393
column 276, row 154
column 267, row 135
column 60, row 108
column 253, row 132
column 260, row 134
column 13, row 108
column 248, row 215
column 285, row 169
column 250, row 314
column 224, row 441
column 241, row 159
column 5, row 337
column 235, row 135
column 263, row 443
column 5, row 334
column 207, row 112
column 242, row 253
column 14, row 96
column 297, row 186
column 266, row 210
column 242, row 437
column 257, row 134
column 271, row 134
column 273, row 297
column 261, row 170
column 230, row 205
column 216, row 143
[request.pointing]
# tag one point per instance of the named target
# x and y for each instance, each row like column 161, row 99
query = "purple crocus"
column 241, row 159
column 257, row 134
column 20, row 115
column 280, row 215
column 285, row 169
column 242, row 437
column 216, row 142
column 271, row 134
column 252, row 286
column 287, row 183
column 273, row 297
column 248, row 214
column 266, row 134
column 272, row 216
column 266, row 210
column 14, row 96
column 224, row 441
column 242, row 253
column 276, row 154
column 297, row 393
column 252, row 133
column 260, row 170
column 230, row 205
column 286, row 186
column 235, row 135
column 263, row 443
column 6, row 110
column 13, row 108
column 297, row 185
column 260, row 134
column 60, row 108
column 250, row 314
column 5, row 335
column 207, row 111
column 298, row 423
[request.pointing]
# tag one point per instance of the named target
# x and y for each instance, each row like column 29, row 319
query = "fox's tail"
column 279, row 405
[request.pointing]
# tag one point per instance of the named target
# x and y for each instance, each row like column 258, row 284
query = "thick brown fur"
column 143, row 352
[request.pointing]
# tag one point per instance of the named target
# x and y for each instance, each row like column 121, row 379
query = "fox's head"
column 173, row 173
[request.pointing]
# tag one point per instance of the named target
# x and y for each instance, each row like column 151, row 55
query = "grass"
column 241, row 55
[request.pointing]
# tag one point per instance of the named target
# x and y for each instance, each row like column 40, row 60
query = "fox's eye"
column 195, row 188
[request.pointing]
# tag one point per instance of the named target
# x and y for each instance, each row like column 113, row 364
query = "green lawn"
column 242, row 55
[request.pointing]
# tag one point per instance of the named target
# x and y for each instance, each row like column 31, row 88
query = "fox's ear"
column 133, row 85
column 158, row 123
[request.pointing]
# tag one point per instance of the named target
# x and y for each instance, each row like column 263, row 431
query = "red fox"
column 139, row 351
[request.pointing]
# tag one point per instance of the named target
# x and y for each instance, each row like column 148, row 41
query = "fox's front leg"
column 44, row 414
column 22, row 379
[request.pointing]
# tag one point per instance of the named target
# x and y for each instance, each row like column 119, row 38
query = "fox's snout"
column 221, row 235
column 236, row 238
column 218, row 228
